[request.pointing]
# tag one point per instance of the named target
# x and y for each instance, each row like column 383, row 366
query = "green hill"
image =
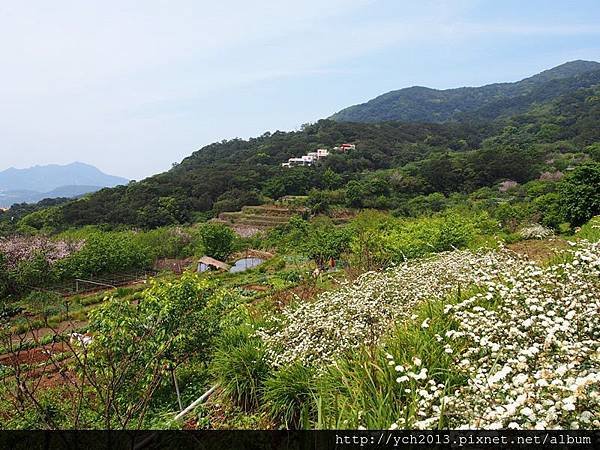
column 421, row 104
column 392, row 163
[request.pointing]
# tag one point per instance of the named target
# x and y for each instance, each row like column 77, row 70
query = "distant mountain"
column 47, row 178
column 422, row 104
column 8, row 198
column 52, row 181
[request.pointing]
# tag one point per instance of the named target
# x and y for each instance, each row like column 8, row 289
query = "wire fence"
column 99, row 283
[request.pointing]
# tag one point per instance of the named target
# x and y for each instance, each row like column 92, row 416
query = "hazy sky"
column 132, row 86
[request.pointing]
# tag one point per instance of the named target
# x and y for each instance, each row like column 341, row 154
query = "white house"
column 308, row 159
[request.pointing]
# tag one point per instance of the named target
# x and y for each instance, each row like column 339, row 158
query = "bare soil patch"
column 539, row 251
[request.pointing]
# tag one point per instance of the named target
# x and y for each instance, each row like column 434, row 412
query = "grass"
column 289, row 396
column 591, row 230
column 240, row 367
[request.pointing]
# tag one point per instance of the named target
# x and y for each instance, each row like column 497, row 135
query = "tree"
column 325, row 241
column 331, row 180
column 580, row 194
column 4, row 277
column 217, row 240
column 355, row 193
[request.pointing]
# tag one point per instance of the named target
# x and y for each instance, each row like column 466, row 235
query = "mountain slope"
column 8, row 198
column 392, row 159
column 43, row 179
column 421, row 104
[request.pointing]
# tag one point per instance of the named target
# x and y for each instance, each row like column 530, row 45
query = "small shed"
column 208, row 263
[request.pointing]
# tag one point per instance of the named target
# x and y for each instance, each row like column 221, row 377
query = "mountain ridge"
column 423, row 158
column 45, row 178
column 51, row 181
column 424, row 104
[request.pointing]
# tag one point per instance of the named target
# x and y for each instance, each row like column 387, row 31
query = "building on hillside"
column 322, row 153
column 307, row 160
column 345, row 147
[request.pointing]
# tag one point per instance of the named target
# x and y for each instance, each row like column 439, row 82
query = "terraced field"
column 254, row 219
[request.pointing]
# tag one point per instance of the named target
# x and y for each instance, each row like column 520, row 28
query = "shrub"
column 420, row 237
column 45, row 304
column 548, row 205
column 218, row 240
column 324, row 241
column 105, row 252
column 166, row 242
column 289, row 395
column 241, row 367
column 580, row 194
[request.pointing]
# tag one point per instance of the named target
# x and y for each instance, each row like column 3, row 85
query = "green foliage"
column 580, row 194
column 167, row 242
column 361, row 389
column 241, row 367
column 548, row 206
column 105, row 253
column 217, row 239
column 511, row 214
column 134, row 345
column 32, row 272
column 591, row 230
column 324, row 241
column 289, row 395
column 45, row 304
column 286, row 237
column 367, row 246
column 378, row 239
column 44, row 219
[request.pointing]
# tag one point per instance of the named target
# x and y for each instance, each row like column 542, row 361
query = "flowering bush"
column 524, row 344
column 532, row 358
column 535, row 231
column 23, row 248
column 361, row 312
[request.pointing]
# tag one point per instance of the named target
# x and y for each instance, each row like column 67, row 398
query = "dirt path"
column 36, row 335
column 34, row 355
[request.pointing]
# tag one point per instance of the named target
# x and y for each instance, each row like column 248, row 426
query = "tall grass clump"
column 241, row 367
column 591, row 230
column 289, row 396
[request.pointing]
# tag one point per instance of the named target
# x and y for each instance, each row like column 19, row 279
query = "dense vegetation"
column 393, row 164
column 420, row 104
column 390, row 301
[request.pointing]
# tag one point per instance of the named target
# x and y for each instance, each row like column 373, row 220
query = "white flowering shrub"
column 535, row 231
column 362, row 312
column 22, row 248
column 521, row 349
column 533, row 354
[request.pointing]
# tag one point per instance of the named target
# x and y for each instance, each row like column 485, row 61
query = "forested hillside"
column 488, row 102
column 392, row 163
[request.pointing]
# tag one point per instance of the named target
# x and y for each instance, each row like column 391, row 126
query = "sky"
column 134, row 86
